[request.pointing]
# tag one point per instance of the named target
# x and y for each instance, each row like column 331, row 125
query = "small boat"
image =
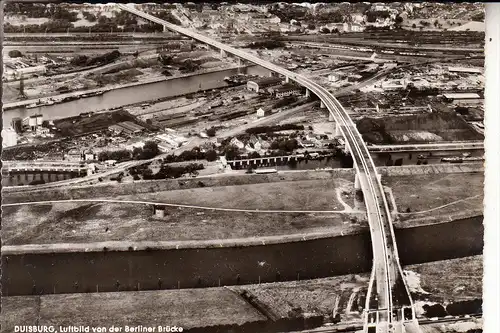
column 32, row 105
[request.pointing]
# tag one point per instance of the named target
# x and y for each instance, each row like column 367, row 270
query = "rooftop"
column 461, row 96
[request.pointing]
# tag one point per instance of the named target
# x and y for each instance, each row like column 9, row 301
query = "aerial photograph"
column 255, row 167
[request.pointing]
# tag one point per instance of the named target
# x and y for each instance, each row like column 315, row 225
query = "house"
column 334, row 77
column 306, row 143
column 394, row 85
column 89, row 155
column 260, row 113
column 237, row 143
column 258, row 85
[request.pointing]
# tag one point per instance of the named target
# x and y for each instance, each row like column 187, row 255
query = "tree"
column 249, row 169
column 15, row 54
column 398, row 20
column 211, row 132
column 231, row 152
column 103, row 156
column 414, row 26
column 211, row 155
column 254, row 154
column 311, row 26
column 150, row 150
column 325, row 30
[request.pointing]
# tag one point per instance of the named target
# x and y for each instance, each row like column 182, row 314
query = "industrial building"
column 286, row 90
column 32, row 122
column 126, row 127
column 461, row 96
column 258, row 85
column 9, row 137
column 465, row 70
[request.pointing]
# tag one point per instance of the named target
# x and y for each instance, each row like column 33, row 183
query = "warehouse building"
column 258, row 85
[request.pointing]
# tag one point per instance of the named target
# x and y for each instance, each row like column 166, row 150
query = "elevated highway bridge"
column 389, row 307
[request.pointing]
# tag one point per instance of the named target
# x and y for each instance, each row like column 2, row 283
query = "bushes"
column 287, row 145
column 266, row 44
column 117, row 155
column 15, row 54
column 211, row 131
column 167, row 171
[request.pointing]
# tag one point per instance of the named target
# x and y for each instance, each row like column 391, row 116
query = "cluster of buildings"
column 170, row 140
column 436, row 77
column 274, row 86
column 16, row 69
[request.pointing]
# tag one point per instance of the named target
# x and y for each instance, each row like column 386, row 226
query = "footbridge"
column 389, row 307
column 47, row 166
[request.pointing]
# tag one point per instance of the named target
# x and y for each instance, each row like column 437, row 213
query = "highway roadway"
column 387, row 269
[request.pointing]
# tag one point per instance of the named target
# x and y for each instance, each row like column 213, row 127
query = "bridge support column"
column 240, row 63
column 330, row 117
column 165, row 28
column 223, row 53
column 322, row 105
column 357, row 184
column 337, row 130
column 308, row 93
column 287, row 79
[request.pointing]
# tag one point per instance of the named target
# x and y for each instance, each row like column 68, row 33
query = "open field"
column 89, row 222
column 437, row 194
column 298, row 195
column 461, row 279
column 186, row 308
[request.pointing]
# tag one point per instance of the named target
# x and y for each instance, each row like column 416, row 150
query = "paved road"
column 159, row 203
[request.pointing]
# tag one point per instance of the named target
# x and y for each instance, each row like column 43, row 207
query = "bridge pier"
column 330, row 116
column 287, row 79
column 223, row 53
column 337, row 129
column 165, row 28
column 322, row 105
column 308, row 93
column 357, row 184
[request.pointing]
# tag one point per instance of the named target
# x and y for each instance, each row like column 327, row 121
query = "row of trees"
column 84, row 60
column 192, row 155
column 276, row 128
column 167, row 171
column 149, row 150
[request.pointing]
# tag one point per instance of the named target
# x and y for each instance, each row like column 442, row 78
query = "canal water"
column 131, row 95
column 427, row 157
